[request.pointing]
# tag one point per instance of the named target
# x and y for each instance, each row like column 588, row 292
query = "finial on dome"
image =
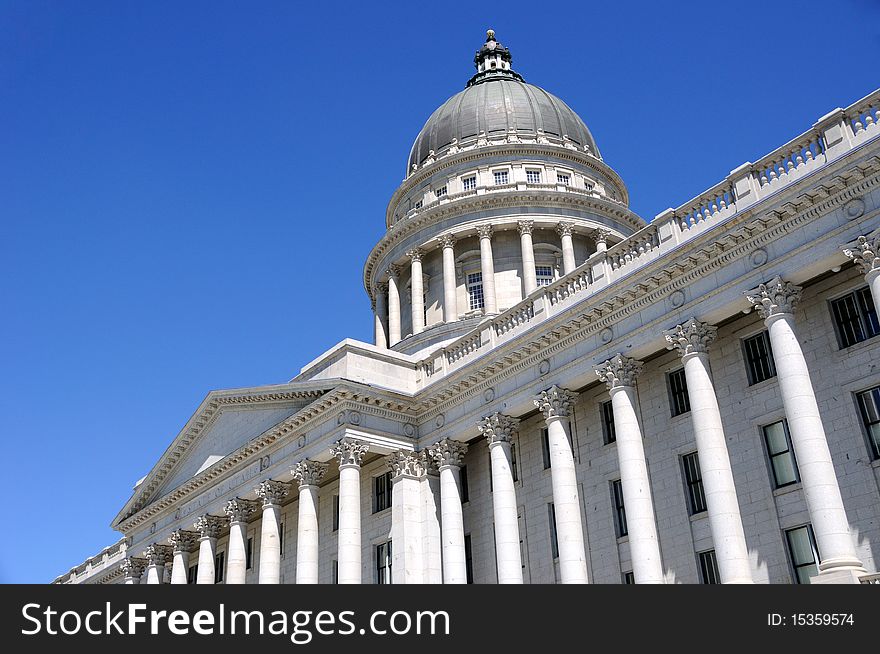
column 492, row 61
column 490, row 35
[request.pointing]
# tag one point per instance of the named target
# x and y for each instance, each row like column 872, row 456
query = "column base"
column 838, row 576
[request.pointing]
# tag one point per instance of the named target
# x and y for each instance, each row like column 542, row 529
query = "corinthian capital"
column 272, row 492
column 774, row 298
column 133, row 567
column 484, row 231
column 415, row 254
column 865, row 252
column 239, row 510
column 393, row 271
column 209, row 526
column 448, row 452
column 601, row 235
column 309, row 473
column 564, row 229
column 183, row 540
column 447, row 241
column 349, row 451
column 157, row 554
column 691, row 337
column 525, row 226
column 498, row 428
column 555, row 402
column 619, row 371
column 407, row 464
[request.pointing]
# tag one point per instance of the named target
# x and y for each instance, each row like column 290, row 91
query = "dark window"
column 629, row 577
column 759, row 358
column 554, row 540
column 708, row 568
column 608, row 433
column 468, row 559
column 219, row 567
column 855, row 317
column 804, row 555
column 249, row 554
column 781, row 455
column 619, row 509
column 382, row 494
column 545, row 447
column 336, row 513
column 463, row 484
column 513, row 466
column 192, row 574
column 694, row 480
column 678, row 392
column 281, row 539
column 334, row 572
column 383, row 563
column 869, row 405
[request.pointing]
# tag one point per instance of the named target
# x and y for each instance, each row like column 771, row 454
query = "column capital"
column 565, row 228
column 690, row 337
column 393, row 271
column 349, row 451
column 525, row 226
column 209, row 526
column 157, row 554
column 309, row 473
column 183, row 541
column 272, row 492
column 448, row 452
column 484, row 231
column 405, row 463
column 555, row 402
column 134, row 566
column 447, row 241
column 601, row 235
column 619, row 371
column 415, row 254
column 774, row 298
column 498, row 428
column 239, row 510
column 381, row 287
column 865, row 252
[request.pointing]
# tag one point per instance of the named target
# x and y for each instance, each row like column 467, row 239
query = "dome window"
column 544, row 275
column 476, row 300
column 533, row 176
column 501, row 177
column 440, row 192
column 469, row 183
column 563, row 178
column 417, row 205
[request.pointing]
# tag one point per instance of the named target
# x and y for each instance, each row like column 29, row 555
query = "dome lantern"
column 493, row 61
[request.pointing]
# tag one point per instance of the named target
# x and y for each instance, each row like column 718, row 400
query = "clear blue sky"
column 188, row 191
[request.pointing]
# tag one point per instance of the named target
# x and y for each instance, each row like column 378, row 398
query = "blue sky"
column 188, row 191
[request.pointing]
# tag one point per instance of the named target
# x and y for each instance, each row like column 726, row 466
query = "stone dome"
column 498, row 103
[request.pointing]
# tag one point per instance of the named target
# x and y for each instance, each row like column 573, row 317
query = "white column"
column 239, row 512
column 530, row 278
column 393, row 306
column 568, row 262
column 601, row 238
column 431, row 535
column 407, row 560
column 157, row 556
column 133, row 569
column 417, row 289
column 619, row 373
column 309, row 475
column 182, row 543
column 272, row 493
column 381, row 315
column 487, row 268
column 865, row 252
column 449, row 455
column 775, row 302
column 350, row 452
column 692, row 340
column 499, row 430
column 209, row 527
column 556, row 404
column 450, row 293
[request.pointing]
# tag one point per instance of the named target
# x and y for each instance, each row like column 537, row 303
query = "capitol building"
column 559, row 390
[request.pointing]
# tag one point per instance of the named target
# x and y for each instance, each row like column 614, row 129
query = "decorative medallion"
column 758, row 257
column 854, row 208
column 606, row 335
column 544, row 368
column 489, row 395
column 439, row 421
column 354, row 417
column 677, row 298
column 409, row 429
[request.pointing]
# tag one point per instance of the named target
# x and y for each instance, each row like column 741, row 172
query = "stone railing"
column 870, row 579
column 830, row 138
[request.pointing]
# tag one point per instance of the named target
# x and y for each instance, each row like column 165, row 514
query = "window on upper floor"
column 782, row 461
column 855, row 317
column 383, row 563
column 759, row 358
column 544, row 275
column 418, row 205
column 468, row 559
column 500, row 177
column 563, row 178
column 469, row 183
column 336, row 513
column 554, row 539
column 463, row 484
column 694, row 482
column 708, row 567
column 533, row 176
column 803, row 552
column 676, row 383
column 249, row 554
column 440, row 192
column 382, row 492
column 869, row 407
column 475, row 291
column 608, row 433
column 619, row 509
column 219, row 567
column 281, row 539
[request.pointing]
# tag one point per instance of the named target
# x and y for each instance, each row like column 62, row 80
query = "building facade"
column 559, row 391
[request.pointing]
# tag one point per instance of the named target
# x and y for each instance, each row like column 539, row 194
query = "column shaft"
column 452, row 525
column 568, row 261
column 487, row 268
column 180, row 567
column 155, row 573
column 418, row 296
column 236, row 555
column 270, row 546
column 507, row 547
column 530, row 279
column 381, row 330
column 349, row 564
column 307, row 535
column 450, row 295
column 393, row 310
column 207, row 552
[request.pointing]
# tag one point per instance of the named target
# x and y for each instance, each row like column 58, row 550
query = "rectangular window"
column 382, row 492
column 708, row 568
column 608, row 433
column 463, row 484
column 694, row 480
column 679, row 402
column 334, row 572
column 759, row 358
column 545, row 447
column 869, row 406
column 219, row 567
column 192, row 574
column 554, row 540
column 855, row 317
column 500, row 177
column 475, row 291
column 544, row 275
column 513, row 466
column 533, row 176
column 781, row 455
column 803, row 552
column 249, row 554
column 469, row 183
column 440, row 192
column 468, row 559
column 619, row 509
column 383, row 563
column 336, row 513
column 418, row 205
column 629, row 578
column 562, row 178
column 281, row 539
